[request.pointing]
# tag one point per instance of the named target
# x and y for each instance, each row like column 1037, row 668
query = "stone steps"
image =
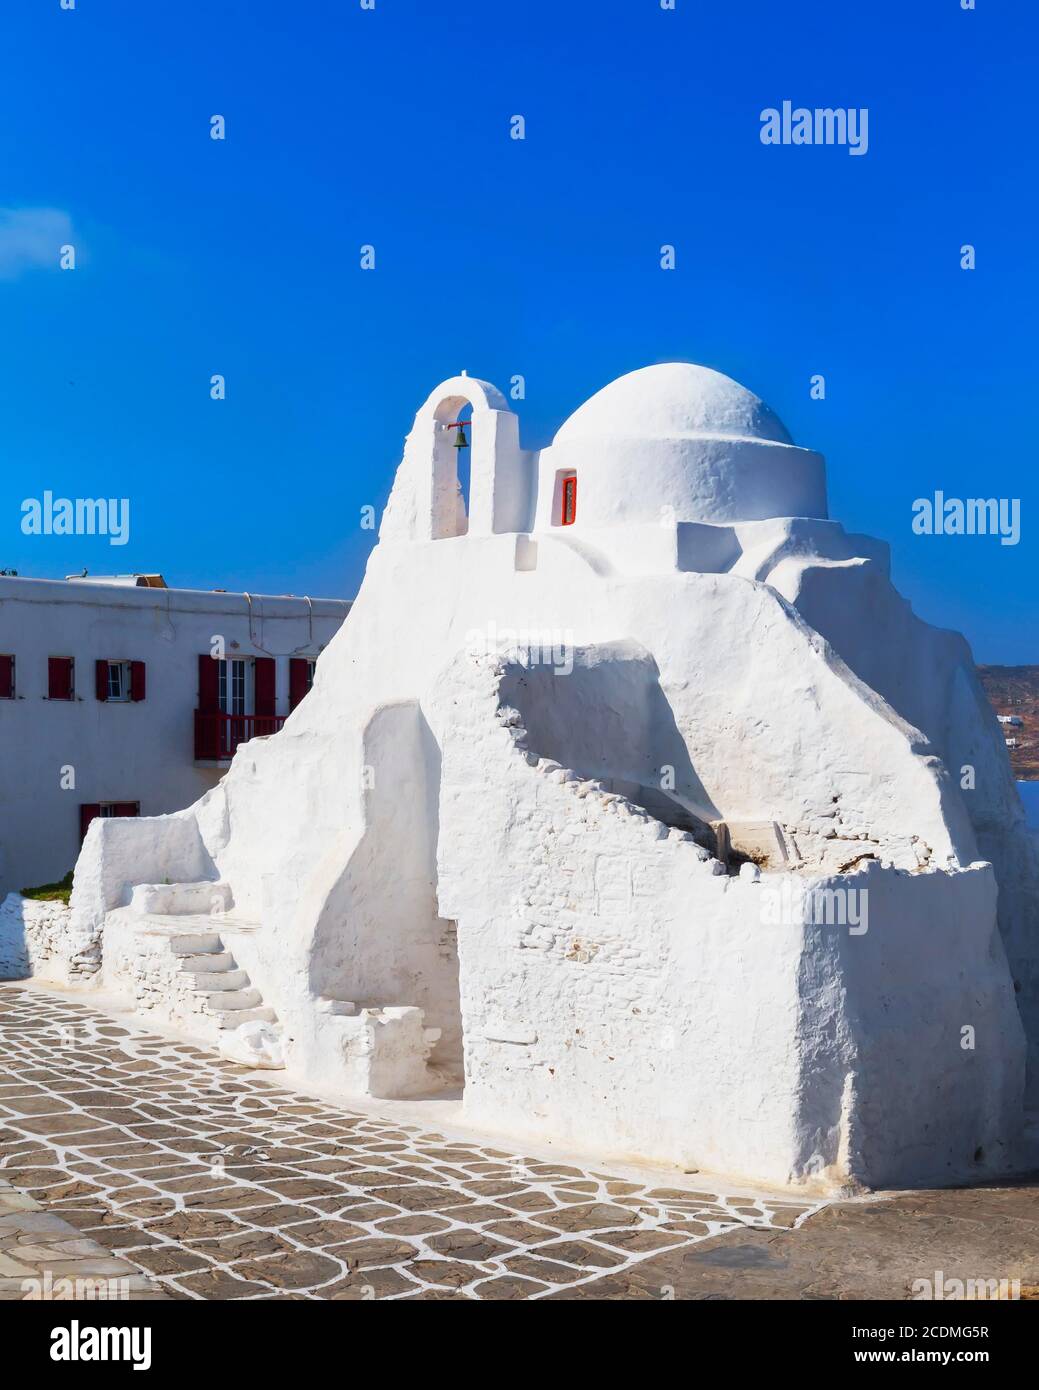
column 234, row 1000
column 206, row 990
column 216, row 962
column 180, row 899
column 196, row 943
column 218, row 981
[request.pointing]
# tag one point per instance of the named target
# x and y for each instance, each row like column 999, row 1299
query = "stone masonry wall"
column 38, row 938
column 621, row 991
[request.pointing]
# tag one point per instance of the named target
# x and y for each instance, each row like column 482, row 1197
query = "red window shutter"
column 101, row 679
column 128, row 808
column 299, row 674
column 137, row 683
column 59, row 678
column 87, row 812
column 569, row 514
column 263, row 688
column 6, row 677
column 208, row 684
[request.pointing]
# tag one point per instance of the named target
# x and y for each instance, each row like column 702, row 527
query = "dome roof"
column 672, row 401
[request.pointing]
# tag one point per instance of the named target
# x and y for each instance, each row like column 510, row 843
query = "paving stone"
column 467, row 1245
column 536, row 1268
column 420, row 1198
column 299, row 1189
column 185, row 1226
column 520, row 1232
column 640, row 1241
column 478, row 1214
column 170, row 1259
column 327, row 1232
column 576, row 1252
column 590, row 1217
column 219, row 1284
column 509, row 1286
column 227, row 1249
column 368, row 1285
column 412, row 1225
column 373, row 1250
column 437, row 1296
column 292, row 1269
column 36, row 1105
column 448, row 1272
column 531, row 1202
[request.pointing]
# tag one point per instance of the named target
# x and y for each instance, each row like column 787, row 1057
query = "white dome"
column 675, row 400
column 679, row 441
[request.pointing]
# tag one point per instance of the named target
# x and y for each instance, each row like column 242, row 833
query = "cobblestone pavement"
column 217, row 1183
column 44, row 1256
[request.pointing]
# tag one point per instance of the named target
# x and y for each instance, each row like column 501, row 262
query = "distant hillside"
column 1015, row 690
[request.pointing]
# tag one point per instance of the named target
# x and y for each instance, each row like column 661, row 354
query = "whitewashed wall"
column 119, row 751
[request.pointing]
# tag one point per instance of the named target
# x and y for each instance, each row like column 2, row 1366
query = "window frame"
column 226, row 681
column 568, row 495
column 123, row 696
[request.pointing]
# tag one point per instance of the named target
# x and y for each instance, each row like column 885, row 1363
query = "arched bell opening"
column 452, row 466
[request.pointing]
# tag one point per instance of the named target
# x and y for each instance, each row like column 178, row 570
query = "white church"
column 633, row 800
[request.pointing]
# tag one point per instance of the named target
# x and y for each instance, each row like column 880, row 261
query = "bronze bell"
column 460, row 440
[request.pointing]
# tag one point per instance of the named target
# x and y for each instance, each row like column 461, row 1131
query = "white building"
column 634, row 797
column 110, row 703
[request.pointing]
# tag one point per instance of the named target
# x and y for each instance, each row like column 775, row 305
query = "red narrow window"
column 60, row 680
column 6, row 677
column 208, row 723
column 263, row 687
column 101, row 679
column 87, row 813
column 569, row 509
column 299, row 679
column 208, row 684
column 137, row 680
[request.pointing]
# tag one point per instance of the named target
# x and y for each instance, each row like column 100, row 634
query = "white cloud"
column 31, row 239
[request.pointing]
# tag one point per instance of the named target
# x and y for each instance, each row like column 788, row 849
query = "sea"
column 1030, row 796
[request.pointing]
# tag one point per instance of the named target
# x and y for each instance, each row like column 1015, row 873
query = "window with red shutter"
column 208, row 736
column 87, row 812
column 208, row 684
column 60, row 678
column 568, row 513
column 126, row 808
column 101, row 679
column 6, row 677
column 300, row 679
column 264, row 671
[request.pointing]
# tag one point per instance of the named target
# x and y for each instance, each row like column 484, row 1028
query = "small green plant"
column 51, row 892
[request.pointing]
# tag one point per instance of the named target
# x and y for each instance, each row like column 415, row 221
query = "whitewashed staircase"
column 225, row 992
column 171, row 948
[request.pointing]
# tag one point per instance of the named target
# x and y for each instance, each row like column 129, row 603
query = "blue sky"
column 538, row 257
